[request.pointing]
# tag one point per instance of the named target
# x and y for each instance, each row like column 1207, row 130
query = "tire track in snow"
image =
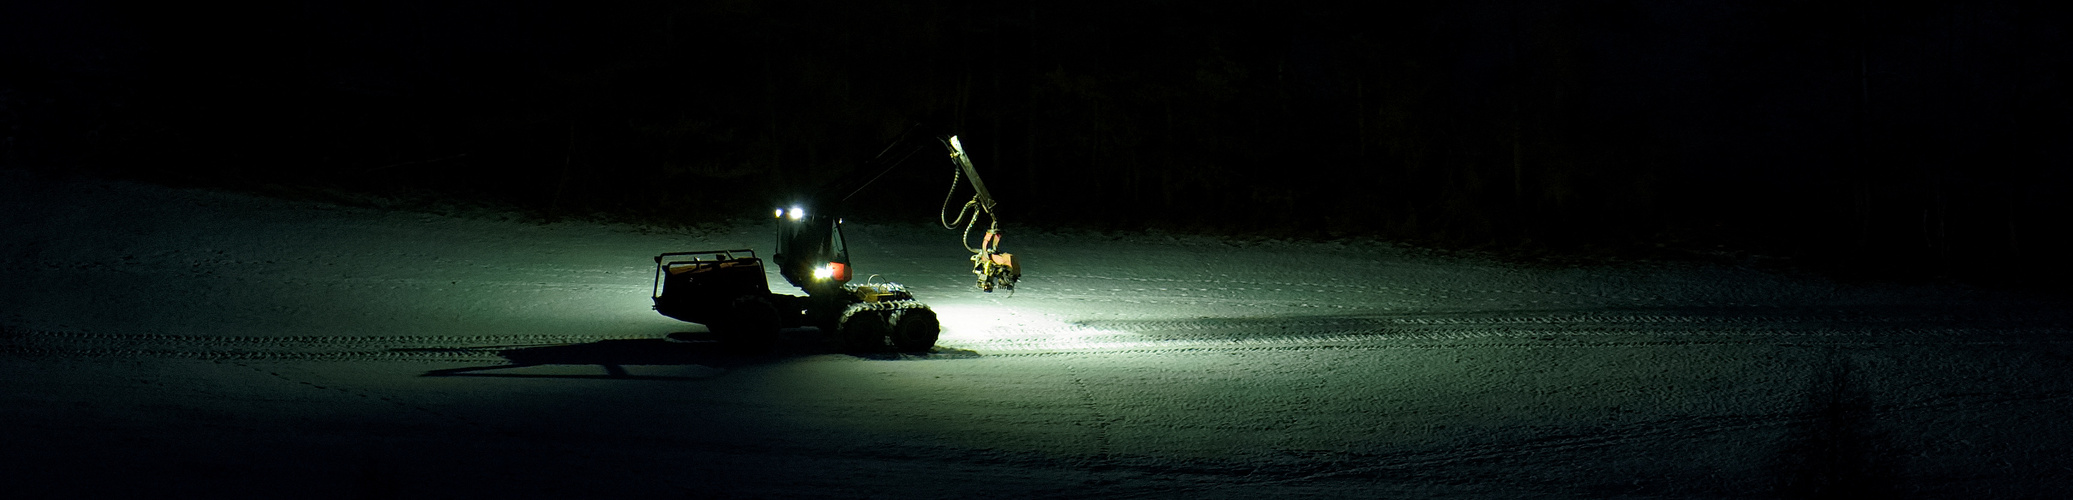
column 457, row 355
column 1100, row 423
column 411, row 340
column 1587, row 330
column 1380, row 346
column 558, row 279
column 1310, row 286
column 1467, row 319
column 468, row 348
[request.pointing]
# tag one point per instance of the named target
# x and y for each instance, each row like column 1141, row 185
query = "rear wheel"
column 750, row 326
column 864, row 327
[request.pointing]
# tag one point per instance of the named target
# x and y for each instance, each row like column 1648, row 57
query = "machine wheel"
column 750, row 326
column 914, row 328
column 864, row 327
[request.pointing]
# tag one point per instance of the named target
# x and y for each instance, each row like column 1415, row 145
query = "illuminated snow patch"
column 987, row 328
column 995, row 329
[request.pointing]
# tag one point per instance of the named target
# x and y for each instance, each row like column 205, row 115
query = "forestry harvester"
column 726, row 290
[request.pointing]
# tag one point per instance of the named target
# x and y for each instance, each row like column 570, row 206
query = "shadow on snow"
column 677, row 349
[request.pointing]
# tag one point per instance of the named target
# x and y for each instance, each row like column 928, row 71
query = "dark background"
column 1913, row 140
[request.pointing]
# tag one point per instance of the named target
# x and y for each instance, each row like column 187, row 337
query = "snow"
column 179, row 342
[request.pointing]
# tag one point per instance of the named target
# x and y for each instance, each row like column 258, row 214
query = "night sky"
column 1924, row 139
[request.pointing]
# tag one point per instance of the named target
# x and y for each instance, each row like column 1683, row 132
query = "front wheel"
column 864, row 327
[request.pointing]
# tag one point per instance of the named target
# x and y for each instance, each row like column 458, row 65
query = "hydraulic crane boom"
column 994, row 268
column 957, row 154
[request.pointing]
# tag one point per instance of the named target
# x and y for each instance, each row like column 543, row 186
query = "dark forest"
column 1916, row 139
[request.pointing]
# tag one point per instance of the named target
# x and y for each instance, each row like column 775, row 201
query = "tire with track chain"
column 750, row 326
column 864, row 327
column 914, row 327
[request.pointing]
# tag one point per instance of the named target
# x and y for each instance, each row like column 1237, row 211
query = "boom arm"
column 957, row 154
column 994, row 268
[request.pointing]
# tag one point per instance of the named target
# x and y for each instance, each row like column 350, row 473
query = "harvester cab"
column 810, row 252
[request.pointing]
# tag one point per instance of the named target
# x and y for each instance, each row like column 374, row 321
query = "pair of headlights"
column 832, row 270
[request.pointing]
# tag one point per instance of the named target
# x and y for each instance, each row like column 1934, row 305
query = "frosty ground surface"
column 169, row 342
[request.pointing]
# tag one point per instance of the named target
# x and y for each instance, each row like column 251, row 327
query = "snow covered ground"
column 178, row 343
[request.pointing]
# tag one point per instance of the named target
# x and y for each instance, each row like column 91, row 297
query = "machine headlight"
column 797, row 213
column 832, row 271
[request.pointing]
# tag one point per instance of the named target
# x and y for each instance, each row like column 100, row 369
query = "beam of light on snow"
column 994, row 329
